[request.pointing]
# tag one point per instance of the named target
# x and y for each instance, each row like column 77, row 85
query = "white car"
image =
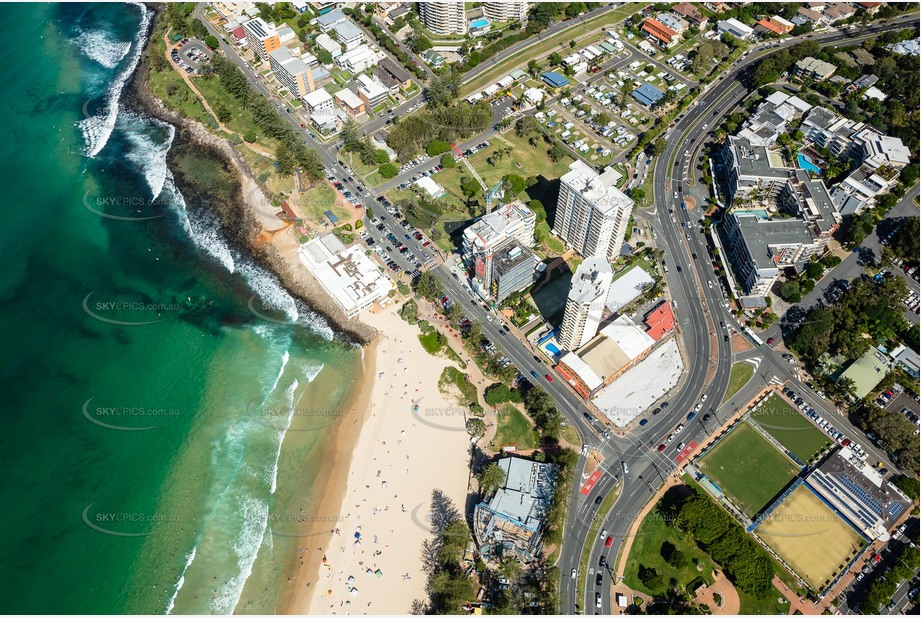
column 573, row 574
column 604, row 533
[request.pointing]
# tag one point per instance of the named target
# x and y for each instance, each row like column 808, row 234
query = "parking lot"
column 191, row 55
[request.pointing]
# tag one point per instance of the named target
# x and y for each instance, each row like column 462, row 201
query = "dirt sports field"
column 810, row 537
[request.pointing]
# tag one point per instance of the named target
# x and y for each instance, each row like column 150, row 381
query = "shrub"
column 447, row 160
column 388, row 170
column 437, row 147
column 249, row 136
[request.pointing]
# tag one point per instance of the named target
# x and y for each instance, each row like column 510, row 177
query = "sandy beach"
column 372, row 563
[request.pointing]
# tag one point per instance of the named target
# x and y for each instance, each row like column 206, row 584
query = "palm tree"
column 533, row 67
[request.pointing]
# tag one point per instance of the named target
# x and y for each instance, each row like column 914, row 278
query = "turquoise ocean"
column 166, row 401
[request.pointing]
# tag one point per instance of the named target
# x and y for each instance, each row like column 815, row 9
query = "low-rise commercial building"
column 511, row 523
column 734, row 27
column 349, row 276
column 615, row 349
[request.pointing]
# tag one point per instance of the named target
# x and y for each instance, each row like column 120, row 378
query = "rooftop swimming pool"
column 805, row 163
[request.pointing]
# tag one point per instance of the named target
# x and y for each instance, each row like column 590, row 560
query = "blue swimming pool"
column 553, row 349
column 479, row 23
column 805, row 163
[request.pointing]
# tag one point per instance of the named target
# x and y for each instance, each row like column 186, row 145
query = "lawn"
column 569, row 434
column 241, row 119
column 739, row 376
column 513, row 428
column 748, row 468
column 317, row 200
column 647, row 545
column 790, row 428
column 430, row 342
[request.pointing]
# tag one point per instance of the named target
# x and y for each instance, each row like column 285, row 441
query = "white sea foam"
column 281, row 370
column 95, row 45
column 97, row 128
column 254, row 514
column 289, row 402
column 203, row 229
column 150, row 155
column 311, row 371
column 269, row 289
column 188, row 562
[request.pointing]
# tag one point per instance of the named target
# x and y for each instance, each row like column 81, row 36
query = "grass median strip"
column 606, row 505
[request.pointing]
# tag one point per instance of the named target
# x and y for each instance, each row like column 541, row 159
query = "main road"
column 699, row 310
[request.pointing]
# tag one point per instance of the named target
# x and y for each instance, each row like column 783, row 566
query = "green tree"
column 447, row 160
column 249, row 136
column 790, row 292
column 556, row 152
column 514, row 184
column 428, row 286
column 437, row 147
column 212, row 42
column 491, row 478
column 223, row 113
column 388, row 170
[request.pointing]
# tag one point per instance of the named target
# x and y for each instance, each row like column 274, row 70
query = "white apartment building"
column 497, row 247
column 371, row 91
column 292, row 72
column 585, row 303
column 592, row 213
column 349, row 35
column 443, row 17
column 318, row 101
column 358, row 59
column 506, row 11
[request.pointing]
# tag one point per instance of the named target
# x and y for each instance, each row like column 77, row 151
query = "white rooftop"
column 627, row 287
column 628, row 336
column 347, row 274
column 349, row 98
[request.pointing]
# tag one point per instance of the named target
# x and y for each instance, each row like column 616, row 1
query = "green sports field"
column 748, row 468
column 790, row 428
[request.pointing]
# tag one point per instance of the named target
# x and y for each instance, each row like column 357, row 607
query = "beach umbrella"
column 329, row 592
column 369, row 572
column 379, row 573
column 358, row 535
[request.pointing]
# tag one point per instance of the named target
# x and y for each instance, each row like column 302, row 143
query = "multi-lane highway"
column 700, row 309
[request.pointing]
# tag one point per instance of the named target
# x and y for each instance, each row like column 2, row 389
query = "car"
column 599, row 499
column 669, row 439
column 533, row 373
column 598, row 600
column 623, row 465
column 661, row 448
column 599, row 578
column 609, row 542
column 691, row 415
column 602, row 561
column 770, row 340
column 573, row 574
column 546, row 375
column 656, row 411
column 643, row 422
column 706, row 417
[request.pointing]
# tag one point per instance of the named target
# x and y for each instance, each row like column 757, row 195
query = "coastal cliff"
column 245, row 215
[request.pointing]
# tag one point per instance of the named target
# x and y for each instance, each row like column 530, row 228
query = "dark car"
column 706, row 417
column 599, row 578
column 534, row 375
column 643, row 422
column 770, row 341
column 661, row 448
column 599, row 499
